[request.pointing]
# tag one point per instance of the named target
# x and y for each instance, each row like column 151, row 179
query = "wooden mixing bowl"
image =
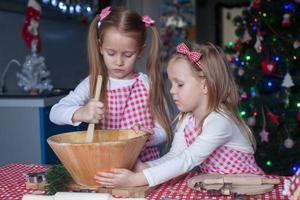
column 110, row 149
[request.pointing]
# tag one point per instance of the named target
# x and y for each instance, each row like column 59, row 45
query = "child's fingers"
column 105, row 182
column 147, row 130
column 119, row 170
column 105, row 174
column 136, row 128
column 97, row 103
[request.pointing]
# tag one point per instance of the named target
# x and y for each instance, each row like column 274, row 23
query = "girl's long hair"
column 223, row 95
column 130, row 23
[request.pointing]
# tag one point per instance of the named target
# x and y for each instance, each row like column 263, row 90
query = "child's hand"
column 115, row 178
column 150, row 132
column 139, row 166
column 92, row 112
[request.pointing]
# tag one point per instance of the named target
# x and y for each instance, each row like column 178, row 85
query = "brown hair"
column 130, row 24
column 223, row 93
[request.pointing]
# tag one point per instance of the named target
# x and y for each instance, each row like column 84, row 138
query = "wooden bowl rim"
column 50, row 139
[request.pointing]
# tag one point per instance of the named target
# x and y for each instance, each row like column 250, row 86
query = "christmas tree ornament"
column 34, row 74
column 237, row 45
column 30, row 29
column 241, row 72
column 258, row 45
column 298, row 116
column 289, row 6
column 252, row 92
column 268, row 67
column 251, row 121
column 288, row 143
column 244, row 95
column 287, row 81
column 273, row 118
column 286, row 20
column 296, row 44
column 255, row 4
column 264, row 135
column 246, row 36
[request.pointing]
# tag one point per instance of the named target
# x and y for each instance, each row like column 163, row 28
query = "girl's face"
column 120, row 54
column 189, row 92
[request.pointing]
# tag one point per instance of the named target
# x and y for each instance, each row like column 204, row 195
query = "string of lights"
column 74, row 7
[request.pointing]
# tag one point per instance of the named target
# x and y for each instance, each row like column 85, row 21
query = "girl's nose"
column 119, row 61
column 172, row 90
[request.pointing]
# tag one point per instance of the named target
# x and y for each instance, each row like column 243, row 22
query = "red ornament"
column 268, row 67
column 256, row 3
column 30, row 29
column 273, row 118
column 298, row 116
column 237, row 45
column 285, row 23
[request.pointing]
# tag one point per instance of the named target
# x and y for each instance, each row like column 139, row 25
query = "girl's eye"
column 110, row 53
column 179, row 84
column 128, row 55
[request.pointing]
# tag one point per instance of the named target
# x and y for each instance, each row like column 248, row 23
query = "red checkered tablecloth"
column 181, row 191
column 12, row 186
column 12, row 182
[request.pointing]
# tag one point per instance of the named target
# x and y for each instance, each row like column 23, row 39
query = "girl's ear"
column 142, row 51
column 204, row 86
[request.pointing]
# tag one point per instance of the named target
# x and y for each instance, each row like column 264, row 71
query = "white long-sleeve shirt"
column 218, row 130
column 62, row 112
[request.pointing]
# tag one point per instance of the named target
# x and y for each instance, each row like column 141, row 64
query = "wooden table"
column 12, row 186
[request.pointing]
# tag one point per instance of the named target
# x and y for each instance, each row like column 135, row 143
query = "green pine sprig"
column 57, row 179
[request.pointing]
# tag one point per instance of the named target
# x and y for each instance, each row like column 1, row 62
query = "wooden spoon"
column 91, row 127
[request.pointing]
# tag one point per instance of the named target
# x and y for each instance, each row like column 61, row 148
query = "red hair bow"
column 193, row 56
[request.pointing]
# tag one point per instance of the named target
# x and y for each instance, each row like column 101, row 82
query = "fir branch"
column 57, row 179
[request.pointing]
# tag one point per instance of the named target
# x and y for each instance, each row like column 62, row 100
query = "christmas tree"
column 177, row 18
column 266, row 62
column 34, row 74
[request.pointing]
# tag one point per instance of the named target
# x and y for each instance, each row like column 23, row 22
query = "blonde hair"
column 223, row 96
column 130, row 24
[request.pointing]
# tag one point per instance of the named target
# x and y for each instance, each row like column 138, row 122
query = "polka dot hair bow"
column 193, row 56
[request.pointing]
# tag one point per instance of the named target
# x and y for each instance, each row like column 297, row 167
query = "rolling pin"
column 241, row 180
column 75, row 196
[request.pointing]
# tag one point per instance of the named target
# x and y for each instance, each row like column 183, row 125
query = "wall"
column 63, row 42
column 63, row 46
column 207, row 18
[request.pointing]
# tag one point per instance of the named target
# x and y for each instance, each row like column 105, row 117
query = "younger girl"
column 116, row 40
column 210, row 133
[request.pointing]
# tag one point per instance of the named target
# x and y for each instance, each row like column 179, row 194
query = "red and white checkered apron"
column 224, row 160
column 295, row 183
column 128, row 106
column 190, row 132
